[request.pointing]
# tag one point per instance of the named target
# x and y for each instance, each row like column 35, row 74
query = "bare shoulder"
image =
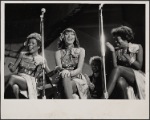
column 82, row 49
column 140, row 46
column 140, row 49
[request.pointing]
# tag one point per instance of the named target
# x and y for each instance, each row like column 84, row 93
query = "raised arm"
column 80, row 64
column 12, row 67
column 112, row 49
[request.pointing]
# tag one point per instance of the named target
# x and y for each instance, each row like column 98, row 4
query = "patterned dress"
column 139, row 75
column 28, row 70
column 69, row 60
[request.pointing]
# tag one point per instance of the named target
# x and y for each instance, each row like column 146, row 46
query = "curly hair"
column 36, row 36
column 61, row 42
column 95, row 59
column 124, row 32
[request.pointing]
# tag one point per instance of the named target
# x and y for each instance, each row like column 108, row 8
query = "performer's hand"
column 130, row 59
column 10, row 66
column 65, row 73
column 127, row 56
column 110, row 46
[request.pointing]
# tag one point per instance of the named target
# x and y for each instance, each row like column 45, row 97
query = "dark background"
column 23, row 19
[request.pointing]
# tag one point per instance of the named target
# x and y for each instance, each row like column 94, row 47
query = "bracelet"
column 131, row 61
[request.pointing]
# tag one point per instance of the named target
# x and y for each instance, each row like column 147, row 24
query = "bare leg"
column 16, row 81
column 16, row 90
column 118, row 72
column 122, row 85
column 68, row 87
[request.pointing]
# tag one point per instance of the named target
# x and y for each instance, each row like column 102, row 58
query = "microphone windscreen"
column 43, row 10
column 100, row 6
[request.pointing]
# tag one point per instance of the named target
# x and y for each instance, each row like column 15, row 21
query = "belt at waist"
column 27, row 71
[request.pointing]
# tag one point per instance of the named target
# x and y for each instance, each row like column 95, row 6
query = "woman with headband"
column 70, row 57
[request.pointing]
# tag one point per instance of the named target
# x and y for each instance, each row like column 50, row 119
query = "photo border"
column 77, row 109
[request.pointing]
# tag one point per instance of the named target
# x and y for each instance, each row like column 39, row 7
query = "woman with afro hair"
column 128, row 61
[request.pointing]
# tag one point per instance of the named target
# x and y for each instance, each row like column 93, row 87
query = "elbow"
column 115, row 65
column 139, row 67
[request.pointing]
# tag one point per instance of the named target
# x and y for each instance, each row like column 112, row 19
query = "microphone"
column 100, row 6
column 43, row 10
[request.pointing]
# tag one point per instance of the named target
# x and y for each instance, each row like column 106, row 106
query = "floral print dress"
column 69, row 60
column 27, row 69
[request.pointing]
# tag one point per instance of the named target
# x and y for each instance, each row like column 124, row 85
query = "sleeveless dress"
column 139, row 75
column 29, row 70
column 69, row 60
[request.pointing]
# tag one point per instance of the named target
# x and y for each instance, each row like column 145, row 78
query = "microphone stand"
column 102, row 46
column 43, row 55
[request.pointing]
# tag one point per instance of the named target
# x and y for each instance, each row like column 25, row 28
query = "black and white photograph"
column 74, row 59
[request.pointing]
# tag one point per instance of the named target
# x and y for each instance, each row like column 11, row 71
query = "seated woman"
column 96, row 86
column 70, row 57
column 27, row 64
column 129, row 57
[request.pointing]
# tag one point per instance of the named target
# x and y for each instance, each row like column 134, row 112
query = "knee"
column 15, row 87
column 122, row 82
column 118, row 69
column 11, row 80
